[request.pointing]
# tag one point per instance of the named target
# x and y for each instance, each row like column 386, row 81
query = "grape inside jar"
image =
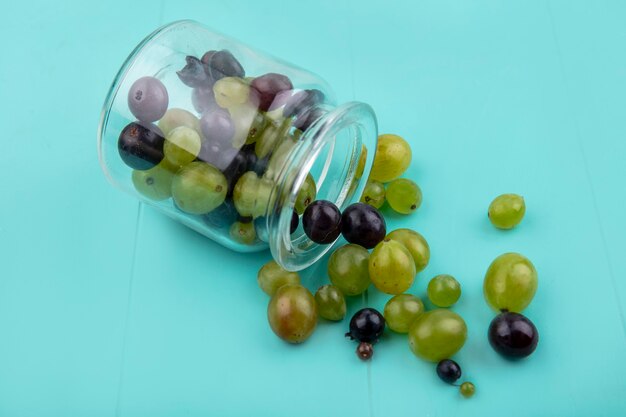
column 232, row 142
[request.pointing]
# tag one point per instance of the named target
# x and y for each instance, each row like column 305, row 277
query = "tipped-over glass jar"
column 231, row 141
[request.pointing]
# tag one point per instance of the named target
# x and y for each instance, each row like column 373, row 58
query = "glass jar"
column 223, row 138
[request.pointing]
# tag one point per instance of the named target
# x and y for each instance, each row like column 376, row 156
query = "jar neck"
column 331, row 146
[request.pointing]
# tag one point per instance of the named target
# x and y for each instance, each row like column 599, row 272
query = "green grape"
column 296, row 134
column 437, row 335
column 243, row 116
column 361, row 166
column 272, row 276
column 278, row 158
column 264, row 197
column 174, row 118
column 155, row 183
column 244, row 193
column 510, row 283
column 415, row 243
column 331, row 303
column 401, row 311
column 258, row 125
column 243, row 232
column 507, row 210
column 348, row 269
column 467, row 389
column 444, row 290
column 182, row 145
column 198, row 188
column 306, row 195
column 404, row 196
column 253, row 195
column 274, row 133
column 231, row 91
column 391, row 267
column 393, row 156
column 374, row 194
column 292, row 313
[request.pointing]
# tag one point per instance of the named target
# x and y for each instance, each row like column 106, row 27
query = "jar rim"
column 360, row 119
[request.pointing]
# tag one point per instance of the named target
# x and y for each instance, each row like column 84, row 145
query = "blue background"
column 109, row 308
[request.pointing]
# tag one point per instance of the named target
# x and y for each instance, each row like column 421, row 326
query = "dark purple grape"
column 302, row 102
column 217, row 127
column 363, row 225
column 223, row 64
column 141, row 145
column 295, row 220
column 285, row 97
column 448, row 371
column 237, row 167
column 322, row 222
column 222, row 216
column 268, row 85
column 251, row 158
column 260, row 166
column 304, row 120
column 367, row 325
column 203, row 99
column 206, row 58
column 193, row 74
column 513, row 335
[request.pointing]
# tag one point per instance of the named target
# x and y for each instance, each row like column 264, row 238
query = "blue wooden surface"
column 108, row 308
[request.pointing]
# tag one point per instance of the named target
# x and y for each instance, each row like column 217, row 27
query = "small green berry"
column 507, row 211
column 467, row 389
column 331, row 303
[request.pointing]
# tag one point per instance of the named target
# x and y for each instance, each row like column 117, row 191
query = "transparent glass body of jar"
column 226, row 138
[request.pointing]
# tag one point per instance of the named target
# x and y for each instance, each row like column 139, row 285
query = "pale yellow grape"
column 510, row 283
column 182, row 145
column 242, row 116
column 392, row 158
column 230, row 92
column 175, row 117
column 415, row 243
column 391, row 267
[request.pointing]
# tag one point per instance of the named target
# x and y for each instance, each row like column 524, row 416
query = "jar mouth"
column 340, row 136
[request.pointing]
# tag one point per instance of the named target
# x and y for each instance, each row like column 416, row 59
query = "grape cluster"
column 220, row 163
